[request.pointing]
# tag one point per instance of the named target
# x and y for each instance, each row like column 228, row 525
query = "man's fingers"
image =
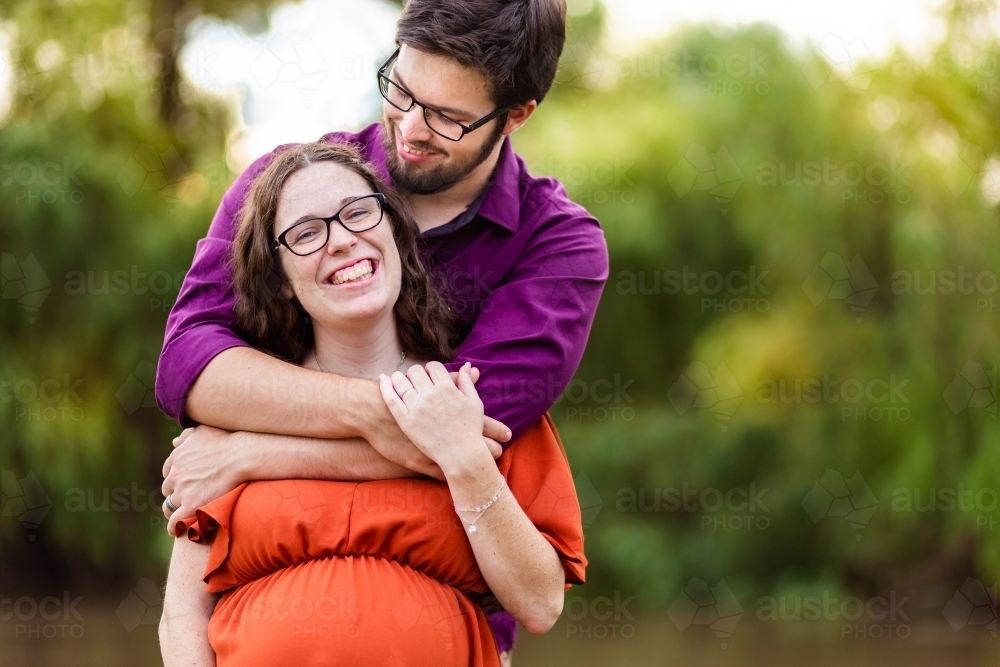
column 465, row 383
column 167, row 465
column 179, row 440
column 495, row 449
column 167, row 488
column 495, row 430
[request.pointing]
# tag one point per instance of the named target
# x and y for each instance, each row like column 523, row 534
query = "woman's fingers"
column 418, row 376
column 402, row 386
column 390, row 394
column 439, row 374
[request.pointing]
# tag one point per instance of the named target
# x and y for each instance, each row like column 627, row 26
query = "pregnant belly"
column 349, row 611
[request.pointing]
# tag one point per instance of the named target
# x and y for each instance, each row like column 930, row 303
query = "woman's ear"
column 286, row 290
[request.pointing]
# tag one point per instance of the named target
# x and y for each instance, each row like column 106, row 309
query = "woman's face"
column 356, row 277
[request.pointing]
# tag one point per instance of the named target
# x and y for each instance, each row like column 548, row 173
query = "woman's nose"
column 340, row 239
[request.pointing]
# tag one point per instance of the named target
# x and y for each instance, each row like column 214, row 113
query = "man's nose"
column 413, row 127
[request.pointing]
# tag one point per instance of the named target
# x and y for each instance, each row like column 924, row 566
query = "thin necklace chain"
column 402, row 358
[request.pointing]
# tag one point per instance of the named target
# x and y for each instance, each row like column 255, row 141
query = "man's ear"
column 519, row 115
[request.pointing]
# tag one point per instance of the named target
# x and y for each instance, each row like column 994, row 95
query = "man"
column 521, row 264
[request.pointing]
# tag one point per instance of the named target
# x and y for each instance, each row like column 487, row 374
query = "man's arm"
column 533, row 330
column 208, row 462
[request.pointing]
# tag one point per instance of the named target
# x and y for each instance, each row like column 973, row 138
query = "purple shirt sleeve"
column 532, row 332
column 200, row 323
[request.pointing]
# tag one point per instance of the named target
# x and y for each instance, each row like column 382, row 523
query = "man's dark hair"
column 515, row 44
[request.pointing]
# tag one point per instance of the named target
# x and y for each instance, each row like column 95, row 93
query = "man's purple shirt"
column 525, row 273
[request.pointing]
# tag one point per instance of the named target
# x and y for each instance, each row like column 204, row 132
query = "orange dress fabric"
column 380, row 573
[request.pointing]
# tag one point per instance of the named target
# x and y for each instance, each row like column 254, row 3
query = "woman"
column 385, row 572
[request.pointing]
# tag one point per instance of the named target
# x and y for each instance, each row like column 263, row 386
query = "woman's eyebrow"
column 454, row 112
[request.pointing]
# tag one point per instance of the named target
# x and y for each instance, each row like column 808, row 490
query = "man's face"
column 419, row 160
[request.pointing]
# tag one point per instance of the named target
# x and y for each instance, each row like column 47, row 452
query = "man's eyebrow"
column 317, row 217
column 454, row 112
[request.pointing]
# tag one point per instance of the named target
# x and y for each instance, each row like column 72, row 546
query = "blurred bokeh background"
column 784, row 432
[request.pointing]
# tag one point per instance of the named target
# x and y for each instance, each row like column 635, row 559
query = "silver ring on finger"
column 170, row 505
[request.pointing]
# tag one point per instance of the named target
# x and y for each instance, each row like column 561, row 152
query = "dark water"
column 97, row 636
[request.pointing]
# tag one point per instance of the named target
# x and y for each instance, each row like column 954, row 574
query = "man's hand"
column 203, row 466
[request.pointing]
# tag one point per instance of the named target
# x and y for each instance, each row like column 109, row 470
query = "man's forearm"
column 269, row 456
column 243, row 389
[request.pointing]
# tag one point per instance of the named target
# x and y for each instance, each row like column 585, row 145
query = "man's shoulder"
column 545, row 202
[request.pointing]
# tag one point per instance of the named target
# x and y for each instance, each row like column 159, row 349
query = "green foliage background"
column 937, row 118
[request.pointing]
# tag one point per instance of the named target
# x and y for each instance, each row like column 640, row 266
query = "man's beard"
column 410, row 178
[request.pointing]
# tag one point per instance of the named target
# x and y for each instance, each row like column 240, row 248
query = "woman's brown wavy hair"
column 279, row 325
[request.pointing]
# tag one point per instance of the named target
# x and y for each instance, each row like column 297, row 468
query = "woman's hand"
column 441, row 416
column 202, row 467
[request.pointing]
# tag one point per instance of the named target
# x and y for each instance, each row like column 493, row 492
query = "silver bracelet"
column 481, row 510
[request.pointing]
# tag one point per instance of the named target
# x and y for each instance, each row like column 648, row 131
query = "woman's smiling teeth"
column 353, row 273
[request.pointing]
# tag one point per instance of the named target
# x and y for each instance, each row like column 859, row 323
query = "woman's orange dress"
column 375, row 573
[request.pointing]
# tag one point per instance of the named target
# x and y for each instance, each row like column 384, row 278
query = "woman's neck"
column 365, row 353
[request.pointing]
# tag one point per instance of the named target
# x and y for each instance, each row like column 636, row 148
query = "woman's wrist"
column 467, row 462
